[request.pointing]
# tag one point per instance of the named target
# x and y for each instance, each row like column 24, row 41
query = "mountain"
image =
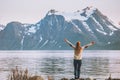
column 49, row 33
column 10, row 37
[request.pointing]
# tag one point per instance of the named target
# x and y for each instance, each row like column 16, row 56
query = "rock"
column 36, row 78
column 64, row 79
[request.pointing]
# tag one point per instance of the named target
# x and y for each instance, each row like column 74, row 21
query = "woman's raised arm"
column 90, row 44
column 69, row 43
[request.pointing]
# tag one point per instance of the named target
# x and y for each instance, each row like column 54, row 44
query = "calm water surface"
column 97, row 64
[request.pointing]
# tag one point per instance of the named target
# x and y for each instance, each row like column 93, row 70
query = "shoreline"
column 18, row 74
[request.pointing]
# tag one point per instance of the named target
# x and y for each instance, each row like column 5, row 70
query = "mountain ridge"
column 48, row 34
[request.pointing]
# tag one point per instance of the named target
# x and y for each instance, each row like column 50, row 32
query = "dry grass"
column 18, row 74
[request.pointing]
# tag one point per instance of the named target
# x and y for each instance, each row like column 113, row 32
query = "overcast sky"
column 31, row 11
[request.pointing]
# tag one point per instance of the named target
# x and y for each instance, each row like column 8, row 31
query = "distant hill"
column 86, row 25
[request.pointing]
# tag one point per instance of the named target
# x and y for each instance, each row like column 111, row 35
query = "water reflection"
column 60, row 65
column 95, row 66
column 56, row 66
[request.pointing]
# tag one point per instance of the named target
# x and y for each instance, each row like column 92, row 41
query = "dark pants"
column 77, row 66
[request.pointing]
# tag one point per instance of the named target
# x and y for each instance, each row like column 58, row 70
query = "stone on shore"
column 36, row 78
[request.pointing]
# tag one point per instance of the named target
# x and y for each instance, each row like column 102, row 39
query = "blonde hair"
column 78, row 45
column 78, row 48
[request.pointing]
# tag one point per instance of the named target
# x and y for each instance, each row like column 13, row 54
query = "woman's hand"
column 65, row 40
column 93, row 42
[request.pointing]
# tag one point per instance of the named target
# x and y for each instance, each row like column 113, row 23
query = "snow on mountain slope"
column 89, row 22
column 2, row 27
column 86, row 25
column 76, row 15
column 84, row 15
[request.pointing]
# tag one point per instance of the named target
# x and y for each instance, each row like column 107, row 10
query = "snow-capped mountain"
column 49, row 33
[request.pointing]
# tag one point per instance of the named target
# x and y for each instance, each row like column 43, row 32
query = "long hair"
column 78, row 45
column 77, row 48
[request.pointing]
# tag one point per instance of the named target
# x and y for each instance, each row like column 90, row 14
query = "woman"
column 77, row 56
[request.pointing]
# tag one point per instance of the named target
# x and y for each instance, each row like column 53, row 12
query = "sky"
column 32, row 11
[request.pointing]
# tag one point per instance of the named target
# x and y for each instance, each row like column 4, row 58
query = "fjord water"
column 59, row 63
